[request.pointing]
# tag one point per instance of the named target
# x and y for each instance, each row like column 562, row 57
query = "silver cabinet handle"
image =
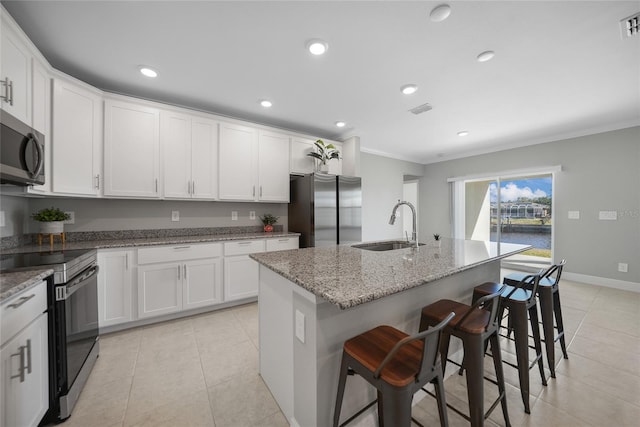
column 21, row 301
column 254, row 191
column 261, row 191
column 193, row 187
column 21, row 353
column 28, row 356
column 126, row 261
column 5, row 83
column 98, row 181
column 178, row 272
column 156, row 185
column 189, row 187
column 244, row 243
column 283, row 240
column 11, row 93
column 185, row 271
column 177, row 248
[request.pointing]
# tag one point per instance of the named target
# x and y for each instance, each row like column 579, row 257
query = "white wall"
column 382, row 186
column 600, row 172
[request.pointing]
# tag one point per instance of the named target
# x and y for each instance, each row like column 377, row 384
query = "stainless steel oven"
column 73, row 321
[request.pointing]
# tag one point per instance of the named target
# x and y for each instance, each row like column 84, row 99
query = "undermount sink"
column 386, row 246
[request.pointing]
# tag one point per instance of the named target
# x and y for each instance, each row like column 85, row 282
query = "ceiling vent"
column 421, row 108
column 629, row 26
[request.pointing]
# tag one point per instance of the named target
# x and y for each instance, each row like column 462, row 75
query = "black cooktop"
column 20, row 261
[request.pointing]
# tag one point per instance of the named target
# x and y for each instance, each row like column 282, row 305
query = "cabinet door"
column 77, row 139
column 282, row 244
column 25, row 398
column 115, row 287
column 159, row 289
column 132, row 150
column 273, row 167
column 300, row 161
column 175, row 137
column 41, row 113
column 204, row 159
column 202, row 283
column 15, row 64
column 241, row 276
column 237, row 162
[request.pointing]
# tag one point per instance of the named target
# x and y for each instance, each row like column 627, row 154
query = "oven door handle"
column 63, row 292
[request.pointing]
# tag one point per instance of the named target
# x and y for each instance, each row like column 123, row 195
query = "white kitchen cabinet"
column 24, row 358
column 273, row 167
column 15, row 74
column 115, row 286
column 76, row 143
column 176, row 278
column 41, row 119
column 282, row 244
column 241, row 272
column 300, row 162
column 131, row 150
column 237, row 162
column 190, row 149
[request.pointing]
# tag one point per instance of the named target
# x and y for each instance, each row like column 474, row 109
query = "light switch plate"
column 300, row 326
column 608, row 215
column 252, row 214
column 574, row 215
column 72, row 218
column 234, row 215
column 623, row 267
column 175, row 215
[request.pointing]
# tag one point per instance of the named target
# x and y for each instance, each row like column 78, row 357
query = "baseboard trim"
column 602, row 281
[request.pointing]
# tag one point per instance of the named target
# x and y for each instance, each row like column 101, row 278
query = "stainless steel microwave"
column 21, row 152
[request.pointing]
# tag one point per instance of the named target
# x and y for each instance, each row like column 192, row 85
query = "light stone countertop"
column 20, row 281
column 347, row 276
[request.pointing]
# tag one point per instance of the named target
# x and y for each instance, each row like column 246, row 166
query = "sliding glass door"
column 508, row 209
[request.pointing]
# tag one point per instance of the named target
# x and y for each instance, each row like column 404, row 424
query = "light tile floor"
column 203, row 371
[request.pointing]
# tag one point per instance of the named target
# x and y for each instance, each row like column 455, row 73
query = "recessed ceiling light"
column 266, row 103
column 486, row 56
column 340, row 124
column 148, row 72
column 463, row 133
column 409, row 89
column 317, row 47
column 440, row 13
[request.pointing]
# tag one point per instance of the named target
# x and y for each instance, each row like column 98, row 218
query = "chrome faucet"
column 392, row 220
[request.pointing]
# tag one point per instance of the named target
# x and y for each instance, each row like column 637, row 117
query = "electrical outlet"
column 72, row 218
column 175, row 215
column 252, row 214
column 2, row 223
column 623, row 267
column 574, row 215
column 300, row 326
column 234, row 215
column 608, row 215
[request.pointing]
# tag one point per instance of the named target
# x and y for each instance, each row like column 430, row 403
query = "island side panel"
column 401, row 310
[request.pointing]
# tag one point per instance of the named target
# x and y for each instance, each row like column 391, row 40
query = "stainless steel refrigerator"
column 326, row 209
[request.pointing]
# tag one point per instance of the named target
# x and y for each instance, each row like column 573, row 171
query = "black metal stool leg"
column 545, row 298
column 521, row 332
column 557, row 309
column 438, row 384
column 497, row 364
column 533, row 317
column 397, row 407
column 344, row 369
column 474, row 355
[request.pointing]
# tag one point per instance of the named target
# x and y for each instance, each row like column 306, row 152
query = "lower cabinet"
column 115, row 286
column 176, row 278
column 241, row 272
column 24, row 374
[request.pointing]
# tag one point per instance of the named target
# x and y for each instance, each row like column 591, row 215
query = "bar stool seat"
column 397, row 365
column 476, row 326
column 550, row 308
column 521, row 303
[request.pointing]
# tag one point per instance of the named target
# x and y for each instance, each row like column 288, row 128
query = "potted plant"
column 51, row 220
column 323, row 154
column 436, row 237
column 268, row 220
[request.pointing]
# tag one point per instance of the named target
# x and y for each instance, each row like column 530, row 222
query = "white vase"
column 323, row 168
column 52, row 227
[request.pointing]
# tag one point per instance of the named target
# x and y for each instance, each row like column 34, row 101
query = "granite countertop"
column 14, row 283
column 347, row 276
column 127, row 242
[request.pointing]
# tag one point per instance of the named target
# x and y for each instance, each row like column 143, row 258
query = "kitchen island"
column 312, row 300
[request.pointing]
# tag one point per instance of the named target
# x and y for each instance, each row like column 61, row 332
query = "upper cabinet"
column 131, row 150
column 41, row 119
column 237, row 162
column 190, row 150
column 273, row 166
column 76, row 139
column 15, row 74
column 300, row 162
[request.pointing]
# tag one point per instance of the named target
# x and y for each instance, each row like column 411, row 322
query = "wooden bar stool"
column 476, row 326
column 397, row 365
column 549, row 299
column 521, row 303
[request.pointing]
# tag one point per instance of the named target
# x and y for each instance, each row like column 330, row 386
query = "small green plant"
column 50, row 214
column 268, row 219
column 436, row 236
column 324, row 153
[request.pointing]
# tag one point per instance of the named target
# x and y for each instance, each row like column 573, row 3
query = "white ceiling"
column 561, row 68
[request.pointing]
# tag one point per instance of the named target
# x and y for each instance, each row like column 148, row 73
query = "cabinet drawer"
column 282, row 244
column 20, row 310
column 243, row 247
column 179, row 252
